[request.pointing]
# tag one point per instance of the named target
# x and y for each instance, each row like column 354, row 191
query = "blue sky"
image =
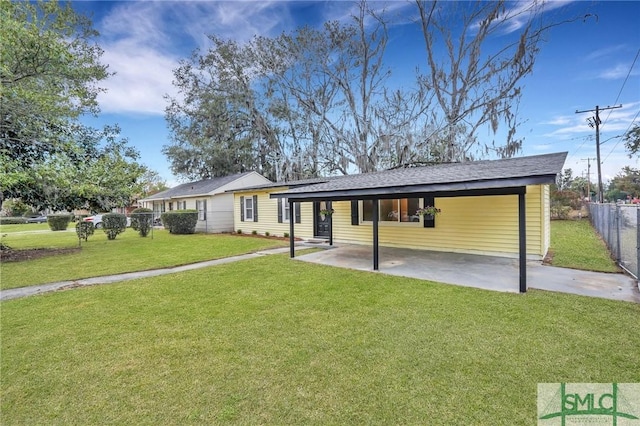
column 581, row 65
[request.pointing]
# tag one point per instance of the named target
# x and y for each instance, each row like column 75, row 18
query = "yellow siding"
column 482, row 225
column 268, row 216
column 487, row 224
column 546, row 214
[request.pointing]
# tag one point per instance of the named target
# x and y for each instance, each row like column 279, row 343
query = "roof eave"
column 445, row 189
column 175, row 197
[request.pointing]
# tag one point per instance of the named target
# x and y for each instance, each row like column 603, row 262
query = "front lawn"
column 277, row 341
column 25, row 227
column 575, row 244
column 127, row 253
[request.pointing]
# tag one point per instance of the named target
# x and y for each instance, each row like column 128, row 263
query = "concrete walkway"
column 486, row 272
column 16, row 293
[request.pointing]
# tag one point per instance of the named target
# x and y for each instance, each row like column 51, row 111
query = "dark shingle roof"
column 290, row 184
column 200, row 187
column 443, row 177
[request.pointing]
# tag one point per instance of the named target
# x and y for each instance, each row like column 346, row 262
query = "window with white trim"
column 397, row 210
column 286, row 213
column 201, row 207
column 248, row 208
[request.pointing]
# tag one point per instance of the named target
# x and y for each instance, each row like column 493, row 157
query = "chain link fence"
column 618, row 226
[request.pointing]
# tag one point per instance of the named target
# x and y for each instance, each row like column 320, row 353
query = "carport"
column 485, row 272
column 481, row 178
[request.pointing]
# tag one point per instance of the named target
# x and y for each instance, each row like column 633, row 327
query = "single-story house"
column 210, row 197
column 492, row 207
column 255, row 210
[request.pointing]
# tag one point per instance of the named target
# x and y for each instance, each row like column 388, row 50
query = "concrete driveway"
column 486, row 272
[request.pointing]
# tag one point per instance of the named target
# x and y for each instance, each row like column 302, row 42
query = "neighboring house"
column 255, row 210
column 495, row 207
column 210, row 197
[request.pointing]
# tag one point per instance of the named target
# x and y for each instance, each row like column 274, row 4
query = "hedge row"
column 181, row 221
column 59, row 222
column 12, row 220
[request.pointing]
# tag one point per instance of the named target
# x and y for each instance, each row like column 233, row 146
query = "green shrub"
column 286, row 235
column 84, row 230
column 142, row 221
column 254, row 232
column 239, row 231
column 16, row 207
column 266, row 234
column 560, row 212
column 12, row 220
column 59, row 222
column 114, row 224
column 180, row 221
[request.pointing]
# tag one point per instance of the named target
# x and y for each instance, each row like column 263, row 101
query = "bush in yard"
column 560, row 212
column 15, row 208
column 142, row 221
column 180, row 221
column 114, row 224
column 84, row 230
column 14, row 220
column 59, row 222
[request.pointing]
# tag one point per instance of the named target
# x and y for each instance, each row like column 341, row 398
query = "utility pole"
column 595, row 122
column 588, row 160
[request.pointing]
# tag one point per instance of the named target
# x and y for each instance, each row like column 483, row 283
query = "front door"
column 322, row 222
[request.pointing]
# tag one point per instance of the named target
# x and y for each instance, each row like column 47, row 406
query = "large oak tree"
column 319, row 100
column 50, row 72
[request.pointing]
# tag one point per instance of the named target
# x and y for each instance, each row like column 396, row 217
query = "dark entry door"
column 321, row 223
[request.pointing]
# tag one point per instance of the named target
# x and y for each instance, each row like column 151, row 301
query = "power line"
column 624, row 133
column 623, row 84
column 585, row 140
column 588, row 160
column 607, row 140
column 595, row 122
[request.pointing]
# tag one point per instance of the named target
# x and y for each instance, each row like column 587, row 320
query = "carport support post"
column 637, row 271
column 375, row 234
column 522, row 230
column 292, row 250
column 330, row 208
column 618, row 226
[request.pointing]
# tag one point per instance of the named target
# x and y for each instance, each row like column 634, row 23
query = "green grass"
column 575, row 244
column 277, row 341
column 25, row 227
column 127, row 253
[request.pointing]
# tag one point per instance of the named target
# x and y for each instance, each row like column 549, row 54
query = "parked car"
column 36, row 219
column 97, row 220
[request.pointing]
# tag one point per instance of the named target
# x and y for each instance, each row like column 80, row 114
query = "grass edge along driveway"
column 576, row 244
column 127, row 253
column 275, row 341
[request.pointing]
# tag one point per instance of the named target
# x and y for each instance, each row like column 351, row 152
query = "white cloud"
column 521, row 14
column 558, row 121
column 616, row 72
column 143, row 42
column 614, row 120
column 143, row 77
column 605, row 51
